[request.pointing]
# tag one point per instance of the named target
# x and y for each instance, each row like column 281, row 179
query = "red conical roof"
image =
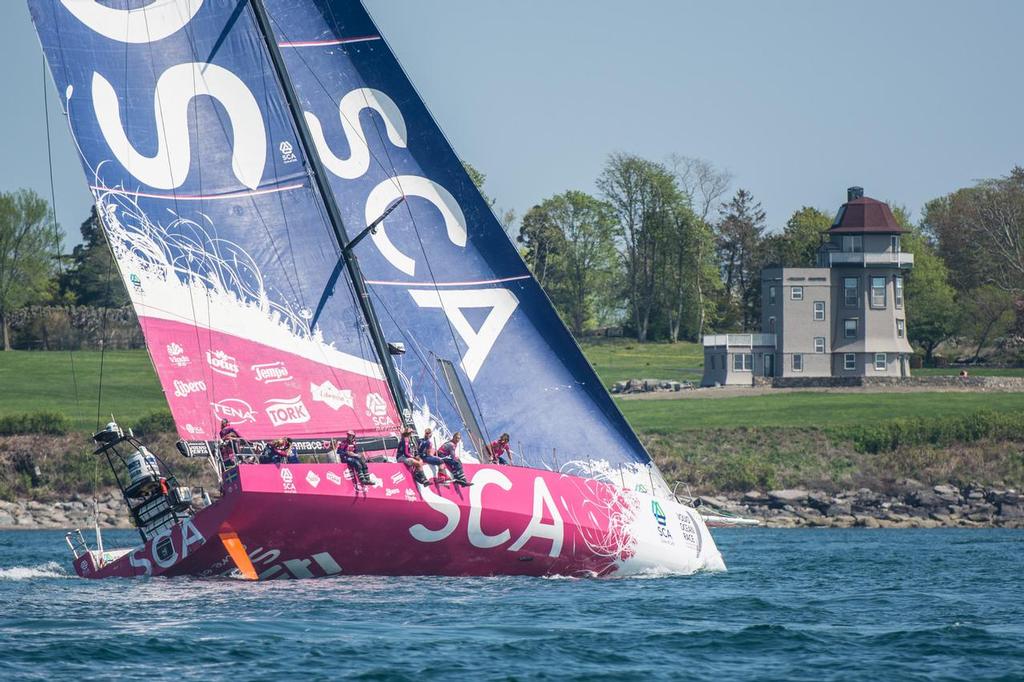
column 865, row 214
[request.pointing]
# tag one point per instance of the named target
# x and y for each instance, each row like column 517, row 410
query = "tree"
column 28, row 240
column 506, row 218
column 92, row 278
column 701, row 181
column 989, row 312
column 797, row 245
column 932, row 313
column 740, row 233
column 642, row 195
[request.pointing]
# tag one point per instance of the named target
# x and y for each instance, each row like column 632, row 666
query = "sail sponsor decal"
column 176, row 355
column 183, row 389
column 234, row 410
column 288, row 480
column 271, row 372
column 222, row 363
column 166, row 549
column 282, row 411
column 332, row 396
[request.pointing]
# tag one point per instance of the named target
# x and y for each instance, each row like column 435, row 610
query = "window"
column 853, row 243
column 880, row 362
column 850, row 328
column 850, row 361
column 798, row 362
column 819, row 311
column 796, row 293
column 851, row 291
column 771, row 325
column 819, row 344
column 898, row 286
column 894, row 243
column 771, row 295
column 901, row 329
column 878, row 292
column 743, row 362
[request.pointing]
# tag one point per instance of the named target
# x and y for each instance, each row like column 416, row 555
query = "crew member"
column 406, row 454
column 425, row 451
column 229, row 438
column 278, row 451
column 449, row 453
column 347, row 453
column 501, row 453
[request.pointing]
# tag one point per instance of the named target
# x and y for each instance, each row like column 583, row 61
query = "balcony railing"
column 900, row 259
column 740, row 340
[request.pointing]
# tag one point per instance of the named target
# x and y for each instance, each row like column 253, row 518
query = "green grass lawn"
column 979, row 371
column 41, row 381
column 620, row 359
column 806, row 409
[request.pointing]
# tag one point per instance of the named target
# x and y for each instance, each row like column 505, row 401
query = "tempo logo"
column 287, row 411
column 272, row 372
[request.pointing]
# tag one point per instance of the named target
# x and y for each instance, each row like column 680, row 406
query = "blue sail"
column 445, row 277
column 221, row 238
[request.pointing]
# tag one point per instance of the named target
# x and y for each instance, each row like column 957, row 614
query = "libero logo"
column 222, row 363
column 332, row 396
column 290, row 411
column 234, row 409
column 271, row 372
column 184, row 389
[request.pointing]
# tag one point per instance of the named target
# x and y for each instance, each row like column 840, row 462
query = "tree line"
column 665, row 251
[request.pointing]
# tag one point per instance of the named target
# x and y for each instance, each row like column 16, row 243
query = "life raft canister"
column 142, row 466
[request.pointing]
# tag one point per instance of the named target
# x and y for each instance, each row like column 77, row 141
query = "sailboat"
column 308, row 257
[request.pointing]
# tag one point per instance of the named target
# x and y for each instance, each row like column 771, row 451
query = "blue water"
column 795, row 605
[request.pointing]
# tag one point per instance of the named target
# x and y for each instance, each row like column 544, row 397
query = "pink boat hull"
column 311, row 520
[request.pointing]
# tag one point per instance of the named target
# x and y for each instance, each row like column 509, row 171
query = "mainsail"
column 446, row 278
column 220, row 236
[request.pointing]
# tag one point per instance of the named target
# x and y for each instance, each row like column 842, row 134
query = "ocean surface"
column 810, row 604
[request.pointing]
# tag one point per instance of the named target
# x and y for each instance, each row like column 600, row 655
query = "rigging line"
column 56, row 228
column 103, row 344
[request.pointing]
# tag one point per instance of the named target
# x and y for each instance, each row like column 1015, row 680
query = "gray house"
column 845, row 317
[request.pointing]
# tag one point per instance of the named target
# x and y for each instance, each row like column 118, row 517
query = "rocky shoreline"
column 910, row 504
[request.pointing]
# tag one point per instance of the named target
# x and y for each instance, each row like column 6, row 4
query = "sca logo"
column 659, row 513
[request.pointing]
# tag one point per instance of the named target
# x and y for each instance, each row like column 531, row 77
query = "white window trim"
column 823, row 311
column 793, row 362
column 793, row 293
column 850, row 362
column 897, row 287
column 816, row 340
column 856, row 328
column 885, row 293
column 741, row 357
column 885, row 362
column 901, row 329
column 855, row 290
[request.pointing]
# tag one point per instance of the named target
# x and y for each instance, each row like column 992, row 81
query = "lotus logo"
column 271, row 373
column 287, row 411
column 183, row 389
column 332, row 396
column 376, row 406
column 234, row 409
column 222, row 363
column 659, row 513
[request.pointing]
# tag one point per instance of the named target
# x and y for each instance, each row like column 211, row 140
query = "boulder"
column 788, row 496
column 866, row 521
column 6, row 519
column 838, row 510
column 946, row 489
column 1011, row 511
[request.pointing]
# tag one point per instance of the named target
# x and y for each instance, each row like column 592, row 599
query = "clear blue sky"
column 797, row 99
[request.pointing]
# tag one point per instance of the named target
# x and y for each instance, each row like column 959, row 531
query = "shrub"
column 51, row 423
column 937, row 431
column 154, row 423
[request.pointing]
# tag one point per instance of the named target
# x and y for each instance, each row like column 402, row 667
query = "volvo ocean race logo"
column 332, row 396
column 176, row 354
column 183, row 389
column 272, row 372
column 222, row 363
column 234, row 409
column 659, row 513
column 287, row 411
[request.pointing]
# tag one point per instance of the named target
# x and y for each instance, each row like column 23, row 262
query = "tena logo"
column 176, row 354
column 659, row 513
column 287, row 411
column 222, row 363
column 376, row 406
column 288, row 480
column 332, row 396
column 234, row 409
column 183, row 389
column 312, row 479
column 271, row 373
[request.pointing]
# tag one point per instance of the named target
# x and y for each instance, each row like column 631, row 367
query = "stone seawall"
column 978, row 383
column 78, row 512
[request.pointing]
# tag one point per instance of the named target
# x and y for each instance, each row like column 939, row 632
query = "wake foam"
column 51, row 569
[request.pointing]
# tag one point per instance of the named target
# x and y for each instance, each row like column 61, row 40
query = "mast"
column 319, row 174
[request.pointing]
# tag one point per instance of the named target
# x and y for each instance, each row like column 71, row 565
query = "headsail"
column 445, row 277
column 218, row 233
